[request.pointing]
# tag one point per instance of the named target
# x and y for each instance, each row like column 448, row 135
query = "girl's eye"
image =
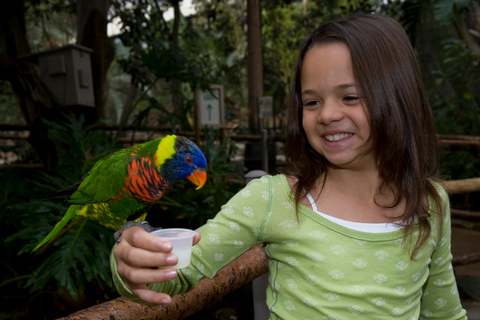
column 188, row 159
column 351, row 99
column 310, row 103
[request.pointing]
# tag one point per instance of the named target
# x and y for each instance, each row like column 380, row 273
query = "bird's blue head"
column 181, row 159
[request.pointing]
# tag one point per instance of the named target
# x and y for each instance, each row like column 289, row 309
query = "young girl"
column 358, row 228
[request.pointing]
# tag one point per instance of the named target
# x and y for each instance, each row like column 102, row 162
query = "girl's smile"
column 334, row 118
column 338, row 136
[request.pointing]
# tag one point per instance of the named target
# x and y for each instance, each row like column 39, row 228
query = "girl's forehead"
column 328, row 65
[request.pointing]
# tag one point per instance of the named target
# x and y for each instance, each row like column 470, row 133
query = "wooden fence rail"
column 462, row 186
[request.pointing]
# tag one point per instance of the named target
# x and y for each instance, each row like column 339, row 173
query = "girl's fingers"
column 150, row 296
column 142, row 258
column 139, row 238
column 196, row 238
column 139, row 248
column 141, row 276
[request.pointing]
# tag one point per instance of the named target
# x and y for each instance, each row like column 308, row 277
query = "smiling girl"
column 357, row 228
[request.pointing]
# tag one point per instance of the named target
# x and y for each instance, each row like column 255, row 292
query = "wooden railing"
column 238, row 273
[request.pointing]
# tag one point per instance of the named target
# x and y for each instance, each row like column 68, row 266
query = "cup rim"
column 190, row 234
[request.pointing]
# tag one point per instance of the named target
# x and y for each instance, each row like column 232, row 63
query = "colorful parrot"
column 124, row 185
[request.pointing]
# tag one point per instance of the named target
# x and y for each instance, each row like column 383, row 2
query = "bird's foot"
column 142, row 224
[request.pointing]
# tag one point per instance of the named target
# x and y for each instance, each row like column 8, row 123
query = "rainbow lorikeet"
column 125, row 184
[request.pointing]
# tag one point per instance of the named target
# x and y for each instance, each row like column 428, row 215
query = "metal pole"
column 265, row 150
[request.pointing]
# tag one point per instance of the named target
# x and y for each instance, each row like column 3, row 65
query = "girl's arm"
column 236, row 228
column 440, row 294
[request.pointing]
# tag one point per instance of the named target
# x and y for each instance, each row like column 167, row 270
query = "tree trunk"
column 255, row 63
column 463, row 31
column 92, row 33
column 13, row 44
column 176, row 84
column 33, row 98
column 428, row 58
column 129, row 102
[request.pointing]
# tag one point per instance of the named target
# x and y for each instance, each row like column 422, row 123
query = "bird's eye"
column 188, row 159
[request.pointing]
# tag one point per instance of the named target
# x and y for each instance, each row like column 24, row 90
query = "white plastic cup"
column 181, row 240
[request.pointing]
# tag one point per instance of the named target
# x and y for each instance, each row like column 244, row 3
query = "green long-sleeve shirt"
column 320, row 269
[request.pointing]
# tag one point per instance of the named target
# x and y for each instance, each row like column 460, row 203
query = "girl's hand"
column 138, row 256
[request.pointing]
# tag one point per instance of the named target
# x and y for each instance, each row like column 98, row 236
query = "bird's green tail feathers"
column 60, row 228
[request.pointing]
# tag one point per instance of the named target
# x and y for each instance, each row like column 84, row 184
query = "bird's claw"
column 142, row 224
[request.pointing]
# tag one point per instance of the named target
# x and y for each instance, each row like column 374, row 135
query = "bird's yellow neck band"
column 165, row 150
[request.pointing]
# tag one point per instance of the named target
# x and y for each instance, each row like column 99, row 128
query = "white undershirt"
column 359, row 226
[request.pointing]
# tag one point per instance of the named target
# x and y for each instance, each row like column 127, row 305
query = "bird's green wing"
column 104, row 180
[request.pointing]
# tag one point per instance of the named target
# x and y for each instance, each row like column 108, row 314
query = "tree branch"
column 463, row 31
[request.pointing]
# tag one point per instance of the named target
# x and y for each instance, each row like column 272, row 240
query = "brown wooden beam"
column 466, row 259
column 462, row 185
column 22, row 166
column 456, row 145
column 465, row 215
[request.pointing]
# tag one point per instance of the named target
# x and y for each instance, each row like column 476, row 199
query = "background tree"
column 255, row 62
column 32, row 96
column 92, row 23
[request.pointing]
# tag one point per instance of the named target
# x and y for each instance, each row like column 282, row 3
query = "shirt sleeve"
column 234, row 230
column 440, row 294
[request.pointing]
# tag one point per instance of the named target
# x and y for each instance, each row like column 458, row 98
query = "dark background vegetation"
column 144, row 78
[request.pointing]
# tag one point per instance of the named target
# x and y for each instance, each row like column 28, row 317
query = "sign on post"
column 265, row 107
column 211, row 106
column 265, row 112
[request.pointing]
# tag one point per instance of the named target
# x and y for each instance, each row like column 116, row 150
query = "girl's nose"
column 329, row 112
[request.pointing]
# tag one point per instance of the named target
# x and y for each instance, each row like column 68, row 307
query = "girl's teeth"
column 338, row 136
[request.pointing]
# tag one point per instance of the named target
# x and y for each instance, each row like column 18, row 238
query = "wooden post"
column 195, row 117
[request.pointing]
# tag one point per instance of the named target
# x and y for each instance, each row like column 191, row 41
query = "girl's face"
column 334, row 118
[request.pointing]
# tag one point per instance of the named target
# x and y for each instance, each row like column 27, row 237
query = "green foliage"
column 9, row 110
column 444, row 9
column 459, row 164
column 461, row 113
column 50, row 23
column 78, row 258
column 81, row 255
column 79, row 146
column 214, row 42
column 163, row 65
column 281, row 30
column 211, row 49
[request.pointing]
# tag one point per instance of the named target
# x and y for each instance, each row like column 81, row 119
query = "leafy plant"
column 81, row 255
column 461, row 114
column 444, row 9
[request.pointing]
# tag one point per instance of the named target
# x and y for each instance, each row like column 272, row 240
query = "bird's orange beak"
column 198, row 178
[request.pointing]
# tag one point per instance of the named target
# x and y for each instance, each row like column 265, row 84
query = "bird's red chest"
column 144, row 182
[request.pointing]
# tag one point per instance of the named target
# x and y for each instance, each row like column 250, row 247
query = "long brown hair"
column 403, row 137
